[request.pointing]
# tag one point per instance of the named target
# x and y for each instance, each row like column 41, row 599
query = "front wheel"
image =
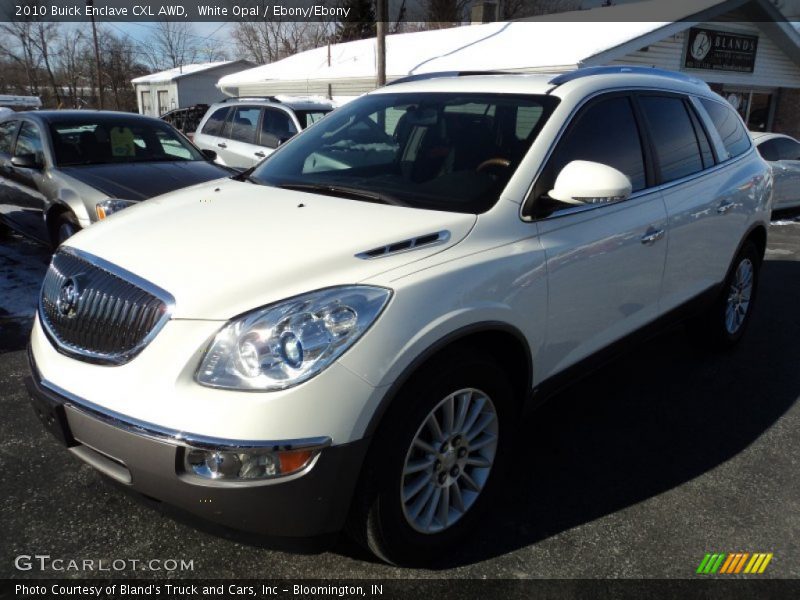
column 435, row 462
column 724, row 324
column 65, row 227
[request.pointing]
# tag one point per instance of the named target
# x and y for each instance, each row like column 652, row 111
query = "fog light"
column 234, row 465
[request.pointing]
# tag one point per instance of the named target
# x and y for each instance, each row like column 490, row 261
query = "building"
column 744, row 49
column 183, row 86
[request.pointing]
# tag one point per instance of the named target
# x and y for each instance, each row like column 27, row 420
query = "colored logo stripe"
column 734, row 563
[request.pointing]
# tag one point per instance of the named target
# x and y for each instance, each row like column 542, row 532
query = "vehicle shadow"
column 652, row 420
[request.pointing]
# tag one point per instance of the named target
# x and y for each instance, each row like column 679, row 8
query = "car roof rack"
column 237, row 98
column 438, row 74
column 619, row 69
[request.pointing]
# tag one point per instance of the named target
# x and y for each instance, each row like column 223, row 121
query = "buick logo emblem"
column 68, row 296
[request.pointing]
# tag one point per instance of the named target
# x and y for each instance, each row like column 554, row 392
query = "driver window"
column 29, row 142
column 607, row 133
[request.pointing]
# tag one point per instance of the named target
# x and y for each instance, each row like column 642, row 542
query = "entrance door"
column 146, row 103
column 162, row 102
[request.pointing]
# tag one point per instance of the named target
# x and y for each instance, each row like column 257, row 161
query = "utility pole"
column 89, row 4
column 380, row 29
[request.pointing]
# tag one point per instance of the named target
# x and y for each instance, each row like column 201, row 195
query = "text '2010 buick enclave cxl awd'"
column 345, row 336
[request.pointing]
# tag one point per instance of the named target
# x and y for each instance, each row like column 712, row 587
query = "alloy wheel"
column 449, row 461
column 739, row 295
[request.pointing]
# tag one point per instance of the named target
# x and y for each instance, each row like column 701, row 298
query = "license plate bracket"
column 54, row 418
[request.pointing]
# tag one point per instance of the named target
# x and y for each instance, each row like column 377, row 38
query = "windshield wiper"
column 342, row 191
column 245, row 176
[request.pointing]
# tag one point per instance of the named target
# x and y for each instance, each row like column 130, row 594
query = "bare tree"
column 42, row 35
column 171, row 45
column 267, row 41
column 119, row 67
column 17, row 46
column 211, row 50
column 69, row 64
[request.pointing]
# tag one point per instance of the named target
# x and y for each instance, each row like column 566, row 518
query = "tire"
column 725, row 322
column 401, row 532
column 65, row 226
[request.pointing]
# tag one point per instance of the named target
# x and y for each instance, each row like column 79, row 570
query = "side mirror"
column 584, row 182
column 209, row 154
column 26, row 161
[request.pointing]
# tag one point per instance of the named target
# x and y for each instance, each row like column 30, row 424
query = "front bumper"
column 149, row 459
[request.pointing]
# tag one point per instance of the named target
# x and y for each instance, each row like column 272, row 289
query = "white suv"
column 347, row 334
column 243, row 131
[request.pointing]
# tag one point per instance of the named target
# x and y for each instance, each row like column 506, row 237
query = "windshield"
column 91, row 142
column 441, row 151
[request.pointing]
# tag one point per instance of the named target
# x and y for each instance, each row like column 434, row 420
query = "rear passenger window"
column 215, row 122
column 674, row 140
column 788, row 149
column 244, row 124
column 769, row 150
column 7, row 131
column 276, row 127
column 729, row 126
column 606, row 133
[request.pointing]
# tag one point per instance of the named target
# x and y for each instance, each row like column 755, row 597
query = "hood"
column 139, row 181
column 230, row 247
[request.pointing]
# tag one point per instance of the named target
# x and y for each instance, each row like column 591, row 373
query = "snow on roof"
column 177, row 72
column 553, row 41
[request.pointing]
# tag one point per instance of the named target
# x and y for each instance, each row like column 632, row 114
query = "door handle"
column 725, row 206
column 222, row 145
column 260, row 154
column 651, row 236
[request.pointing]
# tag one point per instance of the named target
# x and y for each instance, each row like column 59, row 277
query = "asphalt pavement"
column 666, row 454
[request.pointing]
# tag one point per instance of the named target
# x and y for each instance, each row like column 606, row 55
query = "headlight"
column 289, row 342
column 110, row 206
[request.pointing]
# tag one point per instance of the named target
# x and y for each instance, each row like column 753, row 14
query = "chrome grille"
column 95, row 311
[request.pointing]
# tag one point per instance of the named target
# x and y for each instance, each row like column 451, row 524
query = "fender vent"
column 429, row 239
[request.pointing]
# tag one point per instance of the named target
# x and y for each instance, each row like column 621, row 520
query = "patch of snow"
column 170, row 74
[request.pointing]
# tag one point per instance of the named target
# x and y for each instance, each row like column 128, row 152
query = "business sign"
column 720, row 50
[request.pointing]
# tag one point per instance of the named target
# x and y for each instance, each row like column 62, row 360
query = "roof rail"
column 617, row 69
column 438, row 74
column 232, row 98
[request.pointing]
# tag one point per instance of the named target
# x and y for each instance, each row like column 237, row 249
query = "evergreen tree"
column 359, row 23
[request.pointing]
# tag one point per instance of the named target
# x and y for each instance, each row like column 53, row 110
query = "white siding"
column 310, row 87
column 193, row 88
column 772, row 68
column 154, row 88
